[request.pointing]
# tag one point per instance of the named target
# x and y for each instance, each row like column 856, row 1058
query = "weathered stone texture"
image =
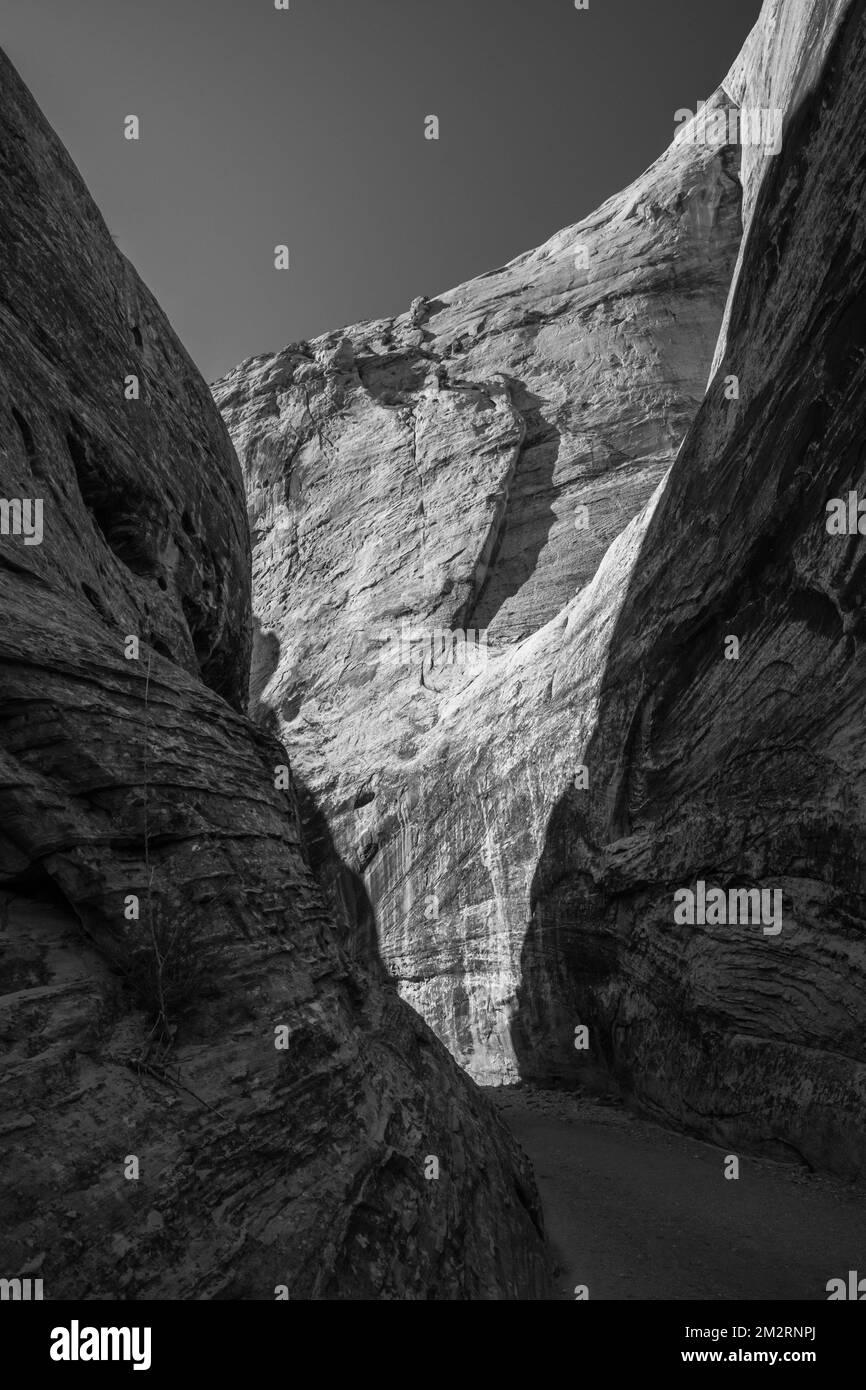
column 258, row 1167
column 510, row 903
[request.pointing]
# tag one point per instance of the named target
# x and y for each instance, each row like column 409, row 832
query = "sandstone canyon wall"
column 135, row 774
column 433, row 469
column 465, row 467
column 745, row 772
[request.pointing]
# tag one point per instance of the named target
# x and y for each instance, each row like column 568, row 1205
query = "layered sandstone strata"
column 202, row 1096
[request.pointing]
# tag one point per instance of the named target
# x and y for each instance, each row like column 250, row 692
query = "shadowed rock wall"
column 161, row 929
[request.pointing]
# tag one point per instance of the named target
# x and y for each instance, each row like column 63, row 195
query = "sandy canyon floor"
column 634, row 1211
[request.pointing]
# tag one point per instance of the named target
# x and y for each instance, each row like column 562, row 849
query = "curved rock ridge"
column 780, row 63
column 743, row 773
column 522, row 824
column 202, row 1095
column 106, row 418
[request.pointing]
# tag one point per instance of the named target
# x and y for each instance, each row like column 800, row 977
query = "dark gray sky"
column 306, row 127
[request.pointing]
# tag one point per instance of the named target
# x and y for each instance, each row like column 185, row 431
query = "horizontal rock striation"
column 203, row 1096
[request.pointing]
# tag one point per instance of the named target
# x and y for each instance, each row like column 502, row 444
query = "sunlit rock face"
column 523, row 822
column 464, row 468
column 261, row 1117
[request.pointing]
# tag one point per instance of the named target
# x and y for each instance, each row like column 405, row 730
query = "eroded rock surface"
column 512, row 903
column 464, row 467
column 135, row 775
column 744, row 772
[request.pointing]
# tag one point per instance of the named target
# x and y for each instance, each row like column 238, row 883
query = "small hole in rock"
column 92, row 598
column 26, row 435
column 117, row 508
